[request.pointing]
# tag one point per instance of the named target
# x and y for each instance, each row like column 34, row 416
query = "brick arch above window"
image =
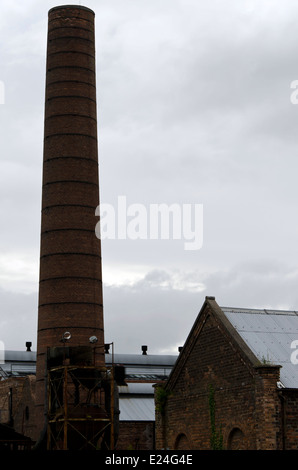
column 236, row 439
column 182, row 442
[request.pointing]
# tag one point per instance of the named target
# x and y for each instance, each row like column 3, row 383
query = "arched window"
column 182, row 442
column 236, row 440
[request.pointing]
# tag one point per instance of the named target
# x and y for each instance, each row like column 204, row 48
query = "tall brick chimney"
column 70, row 288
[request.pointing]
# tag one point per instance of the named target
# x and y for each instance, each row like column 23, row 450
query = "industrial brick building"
column 137, row 375
column 234, row 385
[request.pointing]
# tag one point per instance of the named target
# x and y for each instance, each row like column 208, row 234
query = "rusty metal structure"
column 82, row 401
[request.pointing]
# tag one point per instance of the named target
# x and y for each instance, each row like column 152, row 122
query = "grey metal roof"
column 18, row 363
column 142, row 359
column 10, row 369
column 137, row 409
column 16, row 356
column 164, row 360
column 139, row 388
column 152, row 367
column 136, row 400
column 269, row 334
column 148, row 367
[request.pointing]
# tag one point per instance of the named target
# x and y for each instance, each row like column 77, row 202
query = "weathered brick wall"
column 14, row 386
column 136, row 435
column 214, row 361
column 289, row 404
column 22, row 390
column 24, row 413
column 268, row 411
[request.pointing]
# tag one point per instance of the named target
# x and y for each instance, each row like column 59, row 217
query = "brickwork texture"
column 70, row 288
column 217, row 398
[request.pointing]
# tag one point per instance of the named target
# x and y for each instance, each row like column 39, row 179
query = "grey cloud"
column 162, row 317
column 18, row 321
column 193, row 106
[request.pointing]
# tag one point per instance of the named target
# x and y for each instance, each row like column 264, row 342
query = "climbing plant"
column 216, row 439
column 161, row 396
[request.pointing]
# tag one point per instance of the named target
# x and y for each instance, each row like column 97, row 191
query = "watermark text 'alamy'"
column 156, row 222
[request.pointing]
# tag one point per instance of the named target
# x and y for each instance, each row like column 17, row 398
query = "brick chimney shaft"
column 70, row 289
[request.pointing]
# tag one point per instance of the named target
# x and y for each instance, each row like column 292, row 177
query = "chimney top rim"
column 62, row 7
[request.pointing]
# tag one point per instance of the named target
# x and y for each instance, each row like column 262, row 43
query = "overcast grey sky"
column 193, row 108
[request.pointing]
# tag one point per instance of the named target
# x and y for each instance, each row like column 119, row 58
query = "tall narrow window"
column 182, row 442
column 236, row 440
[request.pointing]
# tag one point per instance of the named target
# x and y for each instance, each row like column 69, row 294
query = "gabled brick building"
column 234, row 385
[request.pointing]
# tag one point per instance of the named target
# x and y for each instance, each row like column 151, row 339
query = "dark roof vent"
column 144, row 349
column 28, row 345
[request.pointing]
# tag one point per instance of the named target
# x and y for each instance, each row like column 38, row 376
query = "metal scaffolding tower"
column 81, row 407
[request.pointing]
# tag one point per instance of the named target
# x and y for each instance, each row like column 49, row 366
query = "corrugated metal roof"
column 155, row 360
column 18, row 369
column 137, row 388
column 147, row 360
column 269, row 334
column 16, row 356
column 136, row 402
column 137, row 409
column 137, row 366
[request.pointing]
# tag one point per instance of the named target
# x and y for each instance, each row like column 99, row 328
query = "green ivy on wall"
column 161, row 397
column 216, row 439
